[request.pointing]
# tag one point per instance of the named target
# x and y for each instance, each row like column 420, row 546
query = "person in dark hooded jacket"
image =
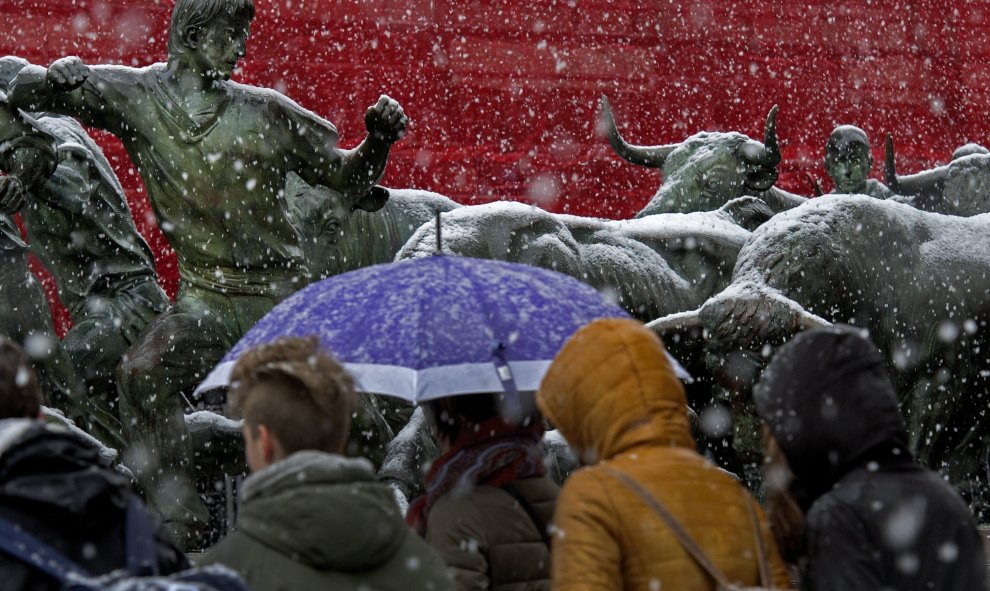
column 54, row 486
column 874, row 518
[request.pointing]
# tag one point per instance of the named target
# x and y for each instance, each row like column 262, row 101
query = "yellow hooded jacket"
column 614, row 396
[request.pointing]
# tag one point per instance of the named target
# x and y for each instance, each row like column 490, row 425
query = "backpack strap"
column 18, row 544
column 142, row 554
column 541, row 526
column 686, row 541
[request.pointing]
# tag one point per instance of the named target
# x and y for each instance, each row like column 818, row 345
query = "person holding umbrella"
column 469, row 338
column 489, row 500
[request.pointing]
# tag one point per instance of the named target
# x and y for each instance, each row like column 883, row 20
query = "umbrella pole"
column 439, row 243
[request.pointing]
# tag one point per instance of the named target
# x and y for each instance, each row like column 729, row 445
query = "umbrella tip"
column 439, row 243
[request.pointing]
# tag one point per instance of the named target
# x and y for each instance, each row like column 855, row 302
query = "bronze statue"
column 848, row 162
column 336, row 239
column 27, row 157
column 959, row 188
column 916, row 280
column 968, row 149
column 708, row 169
column 79, row 225
column 214, row 156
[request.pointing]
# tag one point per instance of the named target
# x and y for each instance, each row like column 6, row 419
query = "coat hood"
column 830, row 404
column 612, row 388
column 323, row 510
column 46, row 470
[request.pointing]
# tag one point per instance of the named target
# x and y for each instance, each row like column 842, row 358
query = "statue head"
column 848, row 159
column 211, row 32
column 706, row 170
column 968, row 150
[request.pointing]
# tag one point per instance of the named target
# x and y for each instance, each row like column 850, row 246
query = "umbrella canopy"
column 436, row 326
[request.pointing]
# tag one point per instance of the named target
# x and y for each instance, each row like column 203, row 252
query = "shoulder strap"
column 686, row 541
column 17, row 543
column 541, row 526
column 142, row 555
column 761, row 554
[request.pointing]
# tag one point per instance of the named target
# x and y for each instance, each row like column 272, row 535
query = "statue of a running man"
column 214, row 156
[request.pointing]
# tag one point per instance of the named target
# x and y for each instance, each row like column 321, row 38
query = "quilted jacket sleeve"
column 457, row 533
column 586, row 551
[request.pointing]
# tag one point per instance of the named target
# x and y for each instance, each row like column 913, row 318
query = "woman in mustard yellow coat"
column 614, row 396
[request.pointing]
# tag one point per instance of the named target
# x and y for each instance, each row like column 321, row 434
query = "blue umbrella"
column 436, row 326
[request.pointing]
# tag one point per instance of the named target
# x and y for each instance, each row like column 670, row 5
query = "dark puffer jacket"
column 488, row 539
column 53, row 486
column 875, row 519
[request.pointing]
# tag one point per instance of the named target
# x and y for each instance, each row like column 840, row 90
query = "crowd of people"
column 847, row 507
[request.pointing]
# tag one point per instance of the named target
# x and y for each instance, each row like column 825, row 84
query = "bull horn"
column 890, row 167
column 808, row 321
column 766, row 154
column 679, row 321
column 651, row 156
column 770, row 138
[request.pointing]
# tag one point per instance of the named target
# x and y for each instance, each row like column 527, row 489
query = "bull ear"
column 816, row 187
column 373, row 200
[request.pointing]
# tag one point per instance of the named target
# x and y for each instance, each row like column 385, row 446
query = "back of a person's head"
column 298, row 391
column 827, row 398
column 451, row 416
column 455, row 416
column 612, row 382
column 20, row 397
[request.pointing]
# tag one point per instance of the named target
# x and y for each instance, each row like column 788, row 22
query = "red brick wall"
column 503, row 93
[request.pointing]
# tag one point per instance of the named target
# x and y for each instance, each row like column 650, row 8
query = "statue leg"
column 104, row 329
column 25, row 318
column 171, row 356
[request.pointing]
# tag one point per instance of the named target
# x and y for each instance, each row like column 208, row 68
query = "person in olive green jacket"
column 310, row 518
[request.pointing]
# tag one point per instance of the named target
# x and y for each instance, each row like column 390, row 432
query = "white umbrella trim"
column 433, row 382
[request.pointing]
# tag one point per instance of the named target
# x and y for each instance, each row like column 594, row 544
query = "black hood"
column 49, row 471
column 830, row 404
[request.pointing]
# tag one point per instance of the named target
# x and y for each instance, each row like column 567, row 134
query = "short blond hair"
column 298, row 391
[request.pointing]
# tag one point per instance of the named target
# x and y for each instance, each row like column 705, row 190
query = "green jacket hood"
column 323, row 510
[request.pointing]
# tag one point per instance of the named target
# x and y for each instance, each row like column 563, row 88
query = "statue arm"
column 354, row 172
column 32, row 160
column 361, row 168
column 28, row 161
column 34, row 89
